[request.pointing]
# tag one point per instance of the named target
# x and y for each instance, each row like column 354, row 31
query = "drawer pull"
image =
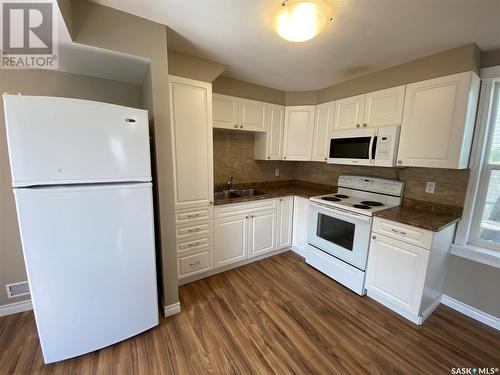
column 191, row 216
column 194, row 264
column 193, row 230
column 398, row 232
column 194, row 244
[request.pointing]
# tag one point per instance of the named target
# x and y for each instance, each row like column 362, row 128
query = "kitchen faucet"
column 230, row 183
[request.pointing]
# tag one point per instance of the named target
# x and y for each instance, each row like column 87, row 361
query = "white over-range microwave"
column 372, row 146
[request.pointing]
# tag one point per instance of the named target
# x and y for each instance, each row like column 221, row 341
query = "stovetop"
column 384, row 194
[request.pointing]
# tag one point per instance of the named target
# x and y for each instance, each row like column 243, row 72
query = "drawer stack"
column 194, row 234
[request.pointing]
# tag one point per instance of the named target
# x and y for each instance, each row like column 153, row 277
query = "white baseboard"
column 172, row 309
column 427, row 312
column 471, row 312
column 16, row 307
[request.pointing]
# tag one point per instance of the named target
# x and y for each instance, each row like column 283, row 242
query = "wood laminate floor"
column 276, row 316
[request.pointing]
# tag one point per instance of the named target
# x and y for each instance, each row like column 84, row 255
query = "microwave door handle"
column 370, row 149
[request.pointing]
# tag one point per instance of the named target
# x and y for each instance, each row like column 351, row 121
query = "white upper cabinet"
column 252, row 115
column 323, row 125
column 375, row 109
column 384, row 107
column 269, row 145
column 438, row 122
column 349, row 112
column 191, row 119
column 299, row 127
column 234, row 113
column 225, row 111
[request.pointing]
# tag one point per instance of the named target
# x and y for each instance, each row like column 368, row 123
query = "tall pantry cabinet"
column 191, row 124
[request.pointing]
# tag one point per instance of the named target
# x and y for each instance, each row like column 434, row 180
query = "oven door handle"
column 342, row 212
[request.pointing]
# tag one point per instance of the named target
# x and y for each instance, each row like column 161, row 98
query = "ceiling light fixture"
column 301, row 20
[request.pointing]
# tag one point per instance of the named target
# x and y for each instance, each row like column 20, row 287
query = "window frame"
column 467, row 244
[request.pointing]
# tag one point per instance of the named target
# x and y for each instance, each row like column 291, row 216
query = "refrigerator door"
column 56, row 141
column 90, row 258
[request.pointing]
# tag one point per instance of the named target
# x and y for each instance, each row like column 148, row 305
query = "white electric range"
column 339, row 226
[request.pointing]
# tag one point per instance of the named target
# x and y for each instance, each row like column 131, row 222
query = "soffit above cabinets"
column 365, row 36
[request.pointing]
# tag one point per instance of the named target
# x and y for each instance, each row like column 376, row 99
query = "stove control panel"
column 372, row 184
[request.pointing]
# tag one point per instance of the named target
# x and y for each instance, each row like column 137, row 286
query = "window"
column 485, row 229
column 478, row 233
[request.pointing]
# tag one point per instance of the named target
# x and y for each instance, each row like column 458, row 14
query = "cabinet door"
column 285, row 220
column 191, row 124
column 299, row 126
column 438, row 122
column 230, row 240
column 269, row 145
column 225, row 111
column 384, row 107
column 323, row 124
column 262, row 233
column 300, row 213
column 252, row 115
column 396, row 272
column 349, row 112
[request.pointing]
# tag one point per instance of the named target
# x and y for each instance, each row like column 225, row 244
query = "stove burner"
column 331, row 199
column 341, row 196
column 362, row 206
column 372, row 203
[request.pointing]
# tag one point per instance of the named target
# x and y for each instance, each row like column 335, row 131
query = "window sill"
column 477, row 254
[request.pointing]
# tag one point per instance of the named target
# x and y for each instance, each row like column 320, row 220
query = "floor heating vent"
column 17, row 289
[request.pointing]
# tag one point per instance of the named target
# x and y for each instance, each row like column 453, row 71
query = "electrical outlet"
column 276, row 172
column 429, row 188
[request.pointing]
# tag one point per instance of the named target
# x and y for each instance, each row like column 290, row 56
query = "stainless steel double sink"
column 239, row 193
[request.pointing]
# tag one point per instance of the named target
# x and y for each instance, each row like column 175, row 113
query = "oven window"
column 350, row 148
column 336, row 231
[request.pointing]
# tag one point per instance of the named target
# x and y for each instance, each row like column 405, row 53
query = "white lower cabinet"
column 405, row 277
column 237, row 233
column 300, row 214
column 261, row 233
column 231, row 240
column 285, row 222
column 397, row 272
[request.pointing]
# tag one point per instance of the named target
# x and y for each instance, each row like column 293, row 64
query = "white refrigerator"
column 82, row 183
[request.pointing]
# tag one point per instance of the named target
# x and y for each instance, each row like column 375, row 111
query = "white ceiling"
column 367, row 35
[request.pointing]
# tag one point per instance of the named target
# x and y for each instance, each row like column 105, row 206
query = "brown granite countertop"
column 279, row 189
column 425, row 215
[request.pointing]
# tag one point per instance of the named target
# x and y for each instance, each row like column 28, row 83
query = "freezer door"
column 90, row 258
column 58, row 140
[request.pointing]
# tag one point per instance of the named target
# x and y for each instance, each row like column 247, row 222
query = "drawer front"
column 193, row 264
column 193, row 214
column 403, row 232
column 194, row 245
column 194, row 229
column 243, row 208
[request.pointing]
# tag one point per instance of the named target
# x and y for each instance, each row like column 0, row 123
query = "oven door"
column 345, row 235
column 356, row 147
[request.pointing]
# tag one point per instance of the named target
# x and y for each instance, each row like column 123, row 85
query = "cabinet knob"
column 400, row 161
column 269, row 157
column 374, row 237
column 365, row 125
column 236, row 126
column 210, row 202
column 326, row 159
column 246, row 217
column 284, row 157
column 358, row 126
column 241, row 126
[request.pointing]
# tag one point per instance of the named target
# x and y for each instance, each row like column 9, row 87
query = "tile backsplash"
column 233, row 156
